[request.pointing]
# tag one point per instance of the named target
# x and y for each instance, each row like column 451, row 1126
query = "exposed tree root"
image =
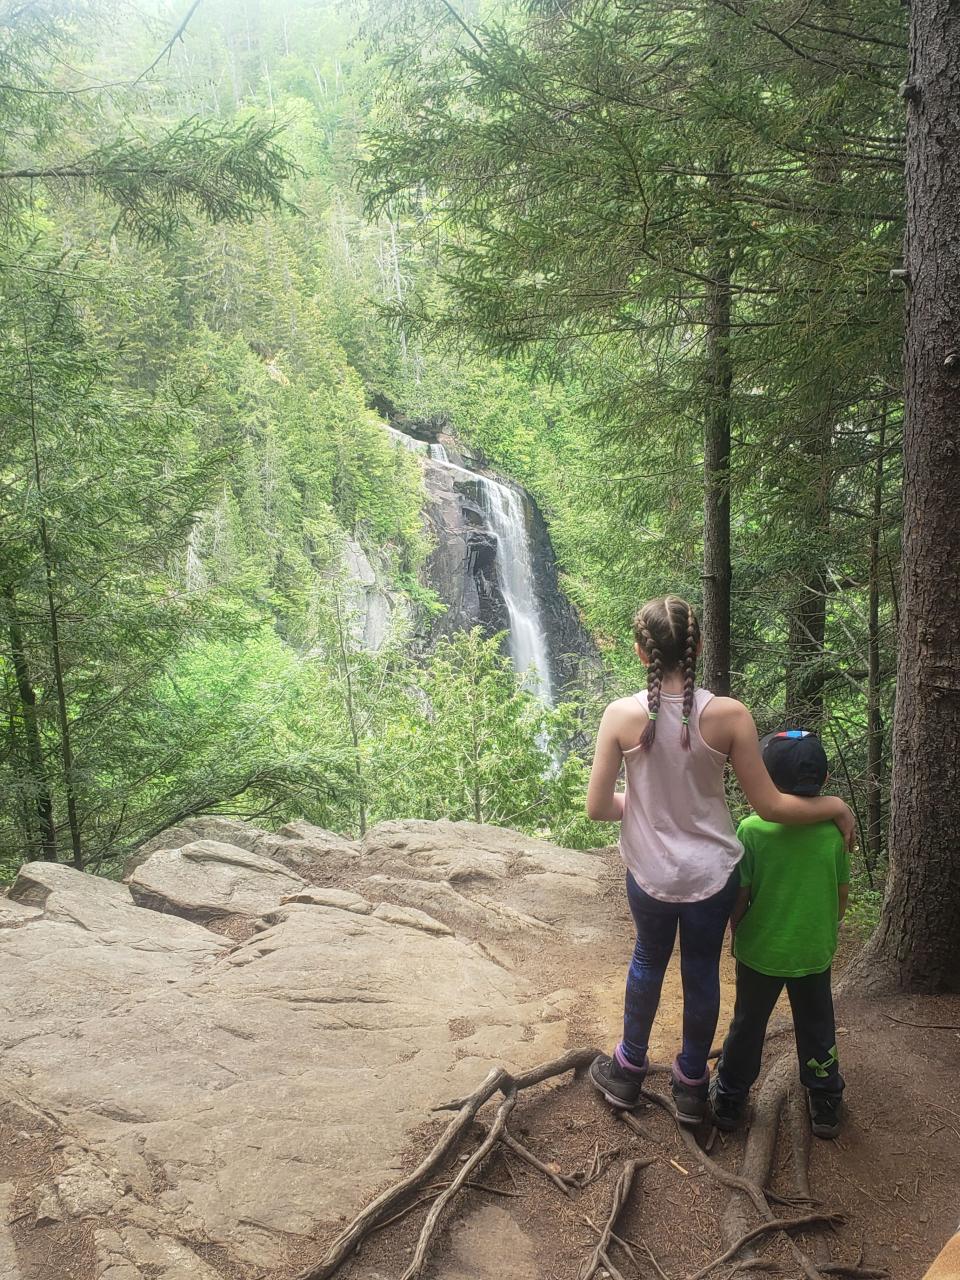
column 436, row 1209
column 387, row 1204
column 758, row 1158
column 758, row 1153
column 433, row 1192
column 798, row 1126
column 777, row 1224
column 601, row 1254
column 855, row 1273
column 562, row 1181
column 756, row 1167
column 739, row 1227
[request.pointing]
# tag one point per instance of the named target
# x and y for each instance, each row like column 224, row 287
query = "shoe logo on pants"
column 822, row 1069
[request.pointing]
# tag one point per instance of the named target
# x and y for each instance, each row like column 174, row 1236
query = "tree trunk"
column 56, row 650
column 31, row 731
column 715, row 671
column 874, row 847
column 917, row 944
column 805, row 643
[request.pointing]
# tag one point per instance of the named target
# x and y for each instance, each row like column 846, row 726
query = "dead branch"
column 777, row 1224
column 925, row 1026
column 415, row 1268
column 600, row 1256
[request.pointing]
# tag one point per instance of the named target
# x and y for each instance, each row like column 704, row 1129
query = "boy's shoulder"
column 759, row 831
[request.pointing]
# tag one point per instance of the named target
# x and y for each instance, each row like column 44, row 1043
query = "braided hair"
column 668, row 632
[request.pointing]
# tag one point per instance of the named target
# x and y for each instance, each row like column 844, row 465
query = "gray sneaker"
column 690, row 1100
column 620, row 1087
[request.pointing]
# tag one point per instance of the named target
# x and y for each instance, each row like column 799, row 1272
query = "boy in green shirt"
column 793, row 894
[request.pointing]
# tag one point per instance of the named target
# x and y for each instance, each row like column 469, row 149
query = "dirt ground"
column 894, row 1174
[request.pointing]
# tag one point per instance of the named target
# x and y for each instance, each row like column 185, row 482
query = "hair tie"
column 652, row 715
column 685, row 720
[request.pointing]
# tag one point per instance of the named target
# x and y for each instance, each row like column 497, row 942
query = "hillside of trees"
column 644, row 260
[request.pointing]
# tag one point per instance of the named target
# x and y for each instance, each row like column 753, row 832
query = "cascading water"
column 506, row 516
column 528, row 640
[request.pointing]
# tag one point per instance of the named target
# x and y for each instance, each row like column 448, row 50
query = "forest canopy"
column 643, row 261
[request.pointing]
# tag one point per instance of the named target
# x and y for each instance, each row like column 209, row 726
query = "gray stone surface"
column 372, row 610
column 207, row 880
column 239, row 1096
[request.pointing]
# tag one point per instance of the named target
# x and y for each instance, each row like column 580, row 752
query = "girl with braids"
column 678, row 843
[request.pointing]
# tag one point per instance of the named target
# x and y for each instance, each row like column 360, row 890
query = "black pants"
column 811, row 1002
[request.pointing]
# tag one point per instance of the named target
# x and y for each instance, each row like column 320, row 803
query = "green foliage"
column 471, row 744
column 205, row 308
column 863, row 911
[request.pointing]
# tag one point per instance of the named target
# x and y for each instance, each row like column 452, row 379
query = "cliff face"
column 493, row 566
column 462, row 567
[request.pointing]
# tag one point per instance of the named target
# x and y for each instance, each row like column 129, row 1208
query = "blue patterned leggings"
column 702, row 926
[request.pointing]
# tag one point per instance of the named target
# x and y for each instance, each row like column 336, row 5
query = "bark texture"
column 716, row 477
column 917, row 944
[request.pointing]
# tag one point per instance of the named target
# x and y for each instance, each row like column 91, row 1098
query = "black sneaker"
column 690, row 1100
column 824, row 1111
column 620, row 1087
column 727, row 1110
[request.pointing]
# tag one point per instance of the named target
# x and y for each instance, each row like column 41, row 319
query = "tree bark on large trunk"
column 716, row 474
column 31, row 731
column 917, row 944
column 873, row 853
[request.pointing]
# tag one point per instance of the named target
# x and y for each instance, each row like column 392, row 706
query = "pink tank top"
column 677, row 838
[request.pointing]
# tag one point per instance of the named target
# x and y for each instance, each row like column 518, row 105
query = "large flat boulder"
column 487, row 880
column 315, row 854
column 237, row 1098
column 208, row 880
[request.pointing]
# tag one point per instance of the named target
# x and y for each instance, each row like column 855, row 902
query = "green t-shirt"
column 793, row 873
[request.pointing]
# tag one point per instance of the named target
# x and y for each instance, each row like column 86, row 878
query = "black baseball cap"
column 795, row 760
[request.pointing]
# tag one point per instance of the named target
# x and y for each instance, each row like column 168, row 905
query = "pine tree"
column 917, row 944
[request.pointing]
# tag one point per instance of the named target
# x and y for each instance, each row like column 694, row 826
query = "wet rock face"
column 203, row 1093
column 571, row 649
column 465, row 569
column 462, row 567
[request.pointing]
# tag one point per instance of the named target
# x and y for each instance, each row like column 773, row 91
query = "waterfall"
column 504, row 509
column 528, row 639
